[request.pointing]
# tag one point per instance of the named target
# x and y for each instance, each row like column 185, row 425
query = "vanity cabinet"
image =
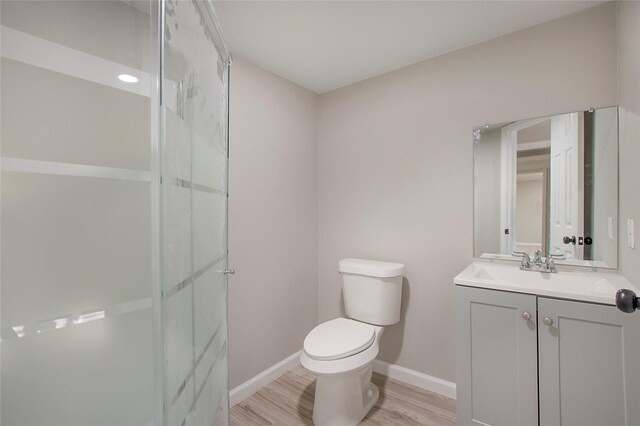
column 582, row 359
column 496, row 359
column 589, row 364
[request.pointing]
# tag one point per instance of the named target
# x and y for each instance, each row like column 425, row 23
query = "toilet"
column 341, row 352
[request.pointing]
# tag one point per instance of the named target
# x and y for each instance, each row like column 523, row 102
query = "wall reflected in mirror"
column 548, row 184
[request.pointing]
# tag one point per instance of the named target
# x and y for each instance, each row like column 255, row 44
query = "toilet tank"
column 372, row 290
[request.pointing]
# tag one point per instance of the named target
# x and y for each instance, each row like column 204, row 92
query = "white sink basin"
column 584, row 286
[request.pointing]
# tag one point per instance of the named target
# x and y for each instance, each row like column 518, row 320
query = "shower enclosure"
column 113, row 213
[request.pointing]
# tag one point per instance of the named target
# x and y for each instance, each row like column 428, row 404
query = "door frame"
column 508, row 181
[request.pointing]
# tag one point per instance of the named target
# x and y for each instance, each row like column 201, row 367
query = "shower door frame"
column 155, row 166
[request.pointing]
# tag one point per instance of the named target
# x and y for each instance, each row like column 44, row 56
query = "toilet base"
column 344, row 399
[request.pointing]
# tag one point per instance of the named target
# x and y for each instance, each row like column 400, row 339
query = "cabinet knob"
column 526, row 316
column 548, row 321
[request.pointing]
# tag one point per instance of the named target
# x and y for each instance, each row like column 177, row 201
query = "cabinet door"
column 589, row 359
column 496, row 355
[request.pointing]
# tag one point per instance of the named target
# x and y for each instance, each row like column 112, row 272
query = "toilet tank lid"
column 371, row 268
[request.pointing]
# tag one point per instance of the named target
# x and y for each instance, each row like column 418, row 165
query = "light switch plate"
column 631, row 234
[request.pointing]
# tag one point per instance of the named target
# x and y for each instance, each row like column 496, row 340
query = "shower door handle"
column 229, row 271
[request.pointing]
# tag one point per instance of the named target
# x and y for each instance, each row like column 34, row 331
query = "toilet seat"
column 339, row 338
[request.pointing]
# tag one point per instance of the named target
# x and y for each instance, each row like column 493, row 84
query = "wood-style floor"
column 289, row 401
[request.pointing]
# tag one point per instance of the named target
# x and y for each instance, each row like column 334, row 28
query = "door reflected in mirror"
column 548, row 184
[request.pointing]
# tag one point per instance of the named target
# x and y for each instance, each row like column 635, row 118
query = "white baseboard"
column 415, row 378
column 397, row 372
column 254, row 384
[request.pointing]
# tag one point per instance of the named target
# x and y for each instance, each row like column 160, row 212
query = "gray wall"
column 629, row 101
column 273, row 210
column 395, row 163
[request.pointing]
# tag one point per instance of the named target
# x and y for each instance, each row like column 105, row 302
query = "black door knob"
column 626, row 301
column 569, row 240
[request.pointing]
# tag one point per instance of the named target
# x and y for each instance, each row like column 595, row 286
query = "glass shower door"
column 194, row 211
column 76, row 294
column 113, row 295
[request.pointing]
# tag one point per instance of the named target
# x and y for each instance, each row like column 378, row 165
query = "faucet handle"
column 537, row 257
column 550, row 265
column 561, row 256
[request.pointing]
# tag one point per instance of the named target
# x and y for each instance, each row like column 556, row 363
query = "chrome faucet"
column 550, row 265
column 538, row 264
column 537, row 257
column 525, row 265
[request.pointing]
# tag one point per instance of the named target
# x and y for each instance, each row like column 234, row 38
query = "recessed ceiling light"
column 128, row 78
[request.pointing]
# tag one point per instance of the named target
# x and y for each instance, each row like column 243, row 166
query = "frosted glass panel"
column 79, row 375
column 177, row 235
column 210, row 312
column 214, row 350
column 180, row 406
column 79, row 121
column 211, row 391
column 209, row 160
column 112, row 30
column 177, row 147
column 209, row 226
column 195, row 167
column 113, row 296
column 71, row 244
column 179, row 340
column 76, row 294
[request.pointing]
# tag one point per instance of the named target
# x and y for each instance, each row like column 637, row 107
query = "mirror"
column 548, row 184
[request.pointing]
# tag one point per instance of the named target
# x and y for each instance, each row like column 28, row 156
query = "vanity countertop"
column 593, row 287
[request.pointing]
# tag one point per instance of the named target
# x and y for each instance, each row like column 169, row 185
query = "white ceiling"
column 323, row 45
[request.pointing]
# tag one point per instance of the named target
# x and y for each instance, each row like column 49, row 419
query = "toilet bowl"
column 340, row 352
column 344, row 392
